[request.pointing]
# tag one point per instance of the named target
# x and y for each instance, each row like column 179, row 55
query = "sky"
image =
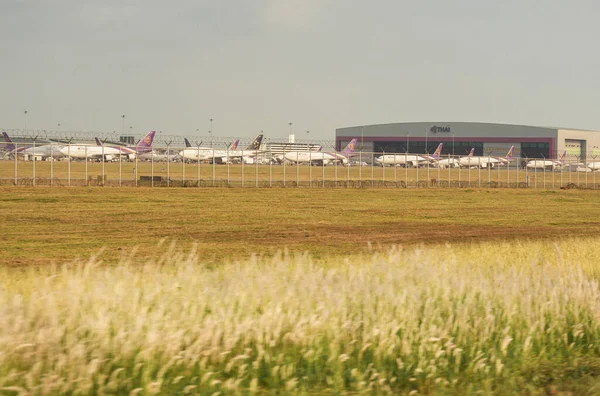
column 254, row 65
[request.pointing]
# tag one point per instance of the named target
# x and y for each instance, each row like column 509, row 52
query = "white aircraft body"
column 547, row 164
column 108, row 153
column 484, row 161
column 594, row 166
column 321, row 158
column 221, row 156
column 43, row 150
column 448, row 163
column 409, row 160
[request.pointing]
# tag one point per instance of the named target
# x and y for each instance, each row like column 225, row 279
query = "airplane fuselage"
column 45, row 151
column 543, row 164
column 478, row 161
column 309, row 156
column 401, row 159
column 83, row 151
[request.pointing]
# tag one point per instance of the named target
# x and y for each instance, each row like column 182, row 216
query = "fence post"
column 406, row 167
column 578, row 175
column 51, row 164
column 103, row 164
column 323, row 173
column 69, row 162
column 135, row 172
column 16, row 155
column 168, row 166
column 214, row 164
column 87, row 177
column 360, row 162
column 372, row 170
column 183, row 170
column 120, row 166
column 152, row 167
column 33, row 165
column 382, row 168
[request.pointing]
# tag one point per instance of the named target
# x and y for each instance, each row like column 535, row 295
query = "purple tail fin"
column 471, row 152
column 234, row 145
column 146, row 143
column 9, row 144
column 510, row 152
column 187, row 142
column 350, row 147
column 319, row 149
column 438, row 151
column 98, row 142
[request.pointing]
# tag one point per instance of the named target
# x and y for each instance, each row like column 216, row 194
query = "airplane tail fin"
column 471, row 152
column 234, row 145
column 146, row 143
column 350, row 147
column 255, row 145
column 98, row 142
column 187, row 142
column 438, row 151
column 9, row 144
column 319, row 149
column 510, row 153
column 561, row 159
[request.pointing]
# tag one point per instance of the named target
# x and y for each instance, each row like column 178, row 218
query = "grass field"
column 491, row 318
column 43, row 224
column 487, row 290
column 264, row 175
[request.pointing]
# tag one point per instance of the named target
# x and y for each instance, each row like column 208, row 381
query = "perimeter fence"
column 77, row 165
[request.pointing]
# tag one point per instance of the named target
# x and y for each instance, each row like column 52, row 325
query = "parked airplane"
column 547, row 164
column 222, row 156
column 322, row 158
column 43, row 150
column 409, row 160
column 109, row 153
column 594, row 166
column 485, row 161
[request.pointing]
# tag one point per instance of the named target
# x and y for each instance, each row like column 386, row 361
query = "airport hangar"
column 460, row 137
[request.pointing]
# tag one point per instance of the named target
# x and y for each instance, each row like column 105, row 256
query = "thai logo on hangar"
column 440, row 129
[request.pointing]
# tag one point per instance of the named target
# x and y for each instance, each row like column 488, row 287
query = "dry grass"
column 40, row 225
column 494, row 318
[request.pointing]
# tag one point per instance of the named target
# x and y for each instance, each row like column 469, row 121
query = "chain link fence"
column 39, row 162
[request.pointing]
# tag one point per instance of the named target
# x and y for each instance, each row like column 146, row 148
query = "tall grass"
column 496, row 318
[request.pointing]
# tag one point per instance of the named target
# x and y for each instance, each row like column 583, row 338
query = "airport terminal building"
column 460, row 137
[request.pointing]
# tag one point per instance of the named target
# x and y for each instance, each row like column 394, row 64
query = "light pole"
column 210, row 131
column 123, row 124
column 25, row 121
column 453, row 143
column 290, row 134
column 362, row 138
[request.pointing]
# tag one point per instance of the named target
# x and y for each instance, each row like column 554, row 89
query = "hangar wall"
column 460, row 137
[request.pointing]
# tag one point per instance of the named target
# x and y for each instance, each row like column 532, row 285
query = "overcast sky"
column 321, row 64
